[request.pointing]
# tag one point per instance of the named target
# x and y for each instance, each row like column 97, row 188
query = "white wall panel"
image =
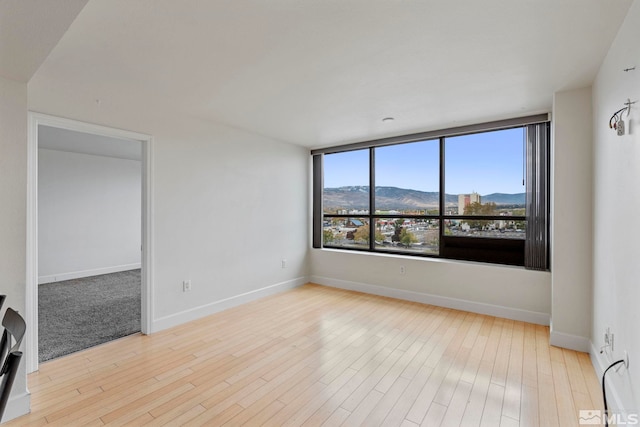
column 616, row 250
column 89, row 214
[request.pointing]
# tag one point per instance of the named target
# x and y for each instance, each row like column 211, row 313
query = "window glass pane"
column 407, row 179
column 494, row 229
column 484, row 173
column 346, row 232
column 415, row 235
column 346, row 183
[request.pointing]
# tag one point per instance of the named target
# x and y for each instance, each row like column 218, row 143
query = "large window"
column 461, row 196
column 485, row 177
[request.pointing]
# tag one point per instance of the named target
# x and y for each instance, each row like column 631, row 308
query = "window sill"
column 427, row 259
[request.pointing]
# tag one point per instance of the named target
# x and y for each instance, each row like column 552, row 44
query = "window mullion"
column 442, row 199
column 318, row 213
column 372, row 198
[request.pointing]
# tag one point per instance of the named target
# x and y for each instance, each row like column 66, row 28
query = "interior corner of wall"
column 568, row 341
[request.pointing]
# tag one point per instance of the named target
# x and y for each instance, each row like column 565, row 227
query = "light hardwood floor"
column 322, row 356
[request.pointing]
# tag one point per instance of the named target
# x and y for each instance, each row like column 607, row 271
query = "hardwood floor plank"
column 295, row 405
column 492, row 412
column 186, row 410
column 365, row 407
column 265, row 406
column 564, row 401
column 529, row 357
column 543, row 360
column 439, row 386
column 384, row 406
column 529, row 415
column 591, row 380
column 372, row 379
column 334, row 399
column 459, row 401
column 547, row 407
column 513, row 385
column 478, row 397
column 215, row 418
column 310, row 407
column 262, row 416
column 337, row 418
column 142, row 406
column 391, row 377
column 320, row 356
column 399, row 411
column 506, row 421
column 503, row 352
column 434, row 416
column 574, row 371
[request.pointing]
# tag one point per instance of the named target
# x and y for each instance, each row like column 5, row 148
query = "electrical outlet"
column 284, row 263
column 608, row 340
column 611, row 341
column 186, row 286
column 402, row 270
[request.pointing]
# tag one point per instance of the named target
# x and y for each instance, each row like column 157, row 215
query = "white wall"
column 571, row 235
column 616, row 250
column 89, row 215
column 503, row 291
column 13, row 186
column 228, row 205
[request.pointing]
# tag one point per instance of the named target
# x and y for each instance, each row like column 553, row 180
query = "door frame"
column 31, row 303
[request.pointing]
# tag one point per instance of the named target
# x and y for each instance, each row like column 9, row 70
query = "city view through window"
column 484, row 193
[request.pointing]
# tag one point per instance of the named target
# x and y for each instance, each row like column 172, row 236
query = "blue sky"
column 489, row 162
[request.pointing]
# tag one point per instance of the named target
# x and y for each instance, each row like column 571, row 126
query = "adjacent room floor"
column 77, row 314
column 317, row 355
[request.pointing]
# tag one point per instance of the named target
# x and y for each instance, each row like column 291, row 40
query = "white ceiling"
column 71, row 141
column 29, row 29
column 318, row 73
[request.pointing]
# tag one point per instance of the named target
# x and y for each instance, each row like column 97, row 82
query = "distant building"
column 354, row 223
column 465, row 200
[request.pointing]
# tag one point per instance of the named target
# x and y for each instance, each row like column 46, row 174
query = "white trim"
column 455, row 303
column 224, row 304
column 31, row 294
column 147, row 309
column 17, row 406
column 571, row 342
column 87, row 273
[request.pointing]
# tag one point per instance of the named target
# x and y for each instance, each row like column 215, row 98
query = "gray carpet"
column 81, row 313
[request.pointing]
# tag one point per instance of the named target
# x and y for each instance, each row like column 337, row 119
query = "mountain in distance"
column 504, row 199
column 387, row 198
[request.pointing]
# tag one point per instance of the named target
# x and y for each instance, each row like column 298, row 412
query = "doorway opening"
column 88, row 258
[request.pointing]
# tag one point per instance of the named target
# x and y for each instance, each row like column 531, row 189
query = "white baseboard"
column 572, row 342
column 17, row 406
column 455, row 303
column 217, row 306
column 87, row 273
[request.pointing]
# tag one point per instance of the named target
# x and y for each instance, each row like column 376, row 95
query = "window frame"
column 483, row 249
